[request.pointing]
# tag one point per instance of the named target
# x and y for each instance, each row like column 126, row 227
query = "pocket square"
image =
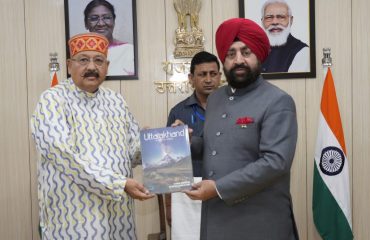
column 244, row 121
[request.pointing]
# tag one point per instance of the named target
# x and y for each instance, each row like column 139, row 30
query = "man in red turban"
column 249, row 140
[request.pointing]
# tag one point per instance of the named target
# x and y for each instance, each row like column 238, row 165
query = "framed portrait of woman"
column 116, row 20
column 290, row 27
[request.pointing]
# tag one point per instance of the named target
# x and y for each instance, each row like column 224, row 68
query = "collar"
column 81, row 92
column 241, row 91
column 192, row 100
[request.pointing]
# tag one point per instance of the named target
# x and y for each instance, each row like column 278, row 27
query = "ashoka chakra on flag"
column 331, row 161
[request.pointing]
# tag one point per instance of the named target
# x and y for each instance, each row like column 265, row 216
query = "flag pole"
column 331, row 203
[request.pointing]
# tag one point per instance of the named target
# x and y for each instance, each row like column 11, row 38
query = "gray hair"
column 268, row 2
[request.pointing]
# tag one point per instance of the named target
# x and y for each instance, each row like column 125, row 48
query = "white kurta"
column 185, row 216
column 87, row 142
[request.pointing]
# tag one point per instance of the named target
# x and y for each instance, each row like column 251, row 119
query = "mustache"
column 238, row 66
column 278, row 26
column 91, row 73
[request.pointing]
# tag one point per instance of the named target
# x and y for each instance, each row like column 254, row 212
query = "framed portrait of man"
column 290, row 27
column 116, row 20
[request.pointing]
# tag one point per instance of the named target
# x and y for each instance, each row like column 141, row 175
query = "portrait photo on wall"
column 290, row 27
column 116, row 20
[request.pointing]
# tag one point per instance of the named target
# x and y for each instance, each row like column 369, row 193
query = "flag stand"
column 326, row 60
column 54, row 68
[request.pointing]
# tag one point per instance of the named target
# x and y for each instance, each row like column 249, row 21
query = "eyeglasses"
column 83, row 61
column 94, row 19
column 279, row 17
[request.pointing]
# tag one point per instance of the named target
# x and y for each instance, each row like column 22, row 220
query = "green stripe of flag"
column 329, row 219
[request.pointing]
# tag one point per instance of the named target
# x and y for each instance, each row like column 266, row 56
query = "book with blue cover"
column 166, row 159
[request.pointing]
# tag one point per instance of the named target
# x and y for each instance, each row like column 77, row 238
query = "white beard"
column 280, row 38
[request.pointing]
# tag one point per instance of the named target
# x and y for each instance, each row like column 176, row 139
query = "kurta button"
column 231, row 98
column 218, row 134
column 224, row 115
column 214, row 153
column 211, row 173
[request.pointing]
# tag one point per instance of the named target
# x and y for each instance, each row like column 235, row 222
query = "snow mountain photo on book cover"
column 166, row 159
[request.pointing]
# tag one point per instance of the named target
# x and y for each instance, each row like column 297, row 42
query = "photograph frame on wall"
column 121, row 31
column 285, row 61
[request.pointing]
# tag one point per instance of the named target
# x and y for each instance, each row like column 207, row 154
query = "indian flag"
column 331, row 196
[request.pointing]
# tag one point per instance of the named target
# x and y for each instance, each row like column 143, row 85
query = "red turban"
column 246, row 31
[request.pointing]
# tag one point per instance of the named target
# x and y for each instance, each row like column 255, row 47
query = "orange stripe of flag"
column 54, row 80
column 330, row 109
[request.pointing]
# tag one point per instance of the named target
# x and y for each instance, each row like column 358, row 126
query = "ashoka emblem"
column 331, row 161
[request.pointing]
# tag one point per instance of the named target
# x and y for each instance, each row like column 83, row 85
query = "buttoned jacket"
column 248, row 147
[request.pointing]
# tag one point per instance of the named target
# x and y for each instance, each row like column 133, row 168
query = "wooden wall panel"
column 147, row 105
column 220, row 12
column 15, row 194
column 361, row 118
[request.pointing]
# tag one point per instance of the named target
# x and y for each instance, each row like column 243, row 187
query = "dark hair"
column 203, row 57
column 95, row 3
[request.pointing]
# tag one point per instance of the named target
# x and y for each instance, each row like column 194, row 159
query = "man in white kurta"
column 87, row 139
